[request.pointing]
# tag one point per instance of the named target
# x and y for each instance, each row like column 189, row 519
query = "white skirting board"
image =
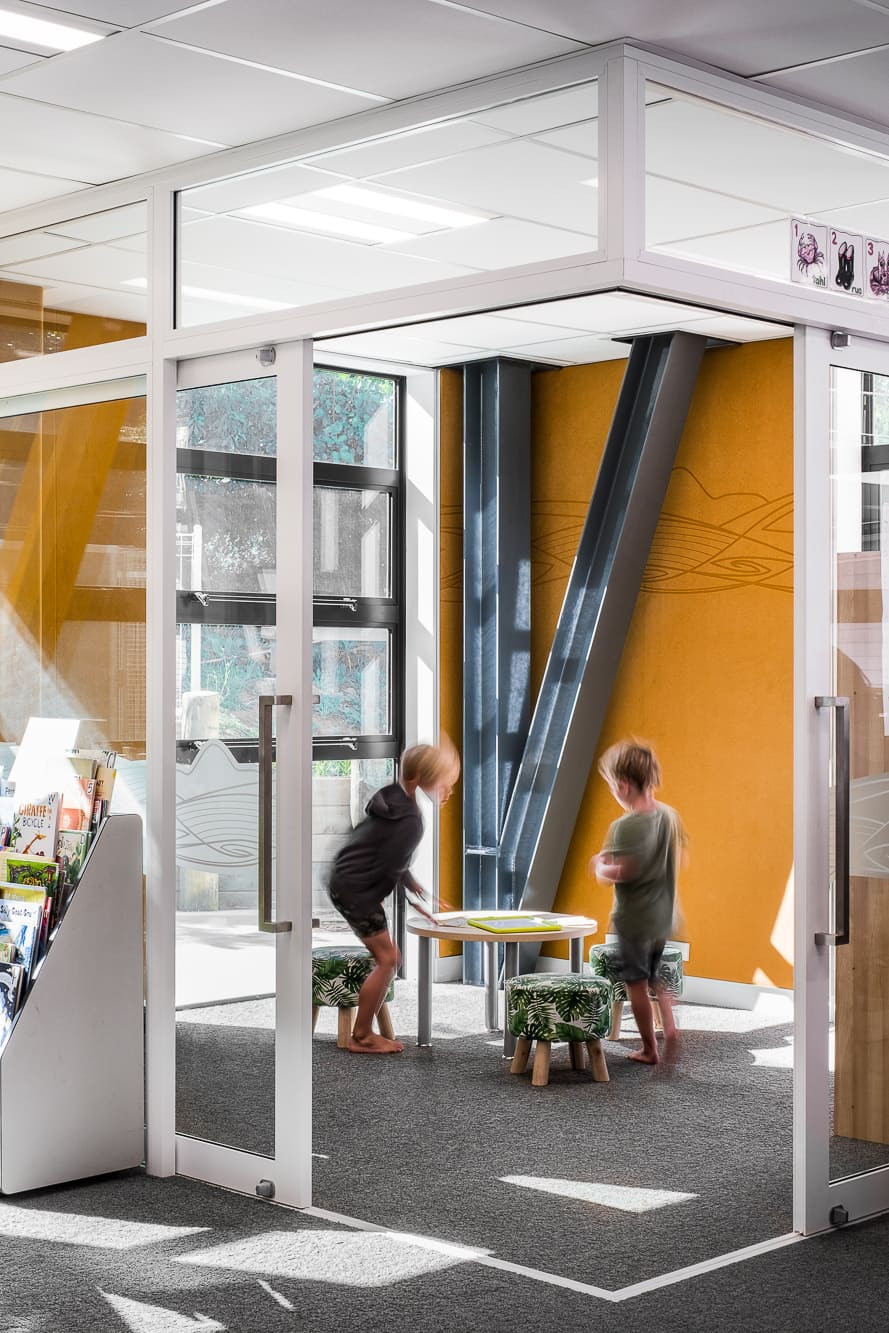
column 72, row 1101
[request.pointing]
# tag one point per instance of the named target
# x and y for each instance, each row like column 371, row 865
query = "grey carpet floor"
column 129, row 1254
column 445, row 1141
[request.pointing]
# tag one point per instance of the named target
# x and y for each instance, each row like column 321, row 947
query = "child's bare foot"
column 644, row 1057
column 373, row 1044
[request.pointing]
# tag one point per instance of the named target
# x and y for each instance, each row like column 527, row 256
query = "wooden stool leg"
column 597, row 1061
column 384, row 1022
column 345, row 1023
column 576, row 1048
column 617, row 1013
column 658, row 1016
column 520, row 1059
column 316, row 1010
column 540, row 1073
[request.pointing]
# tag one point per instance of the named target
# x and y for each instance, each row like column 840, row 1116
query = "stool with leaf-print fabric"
column 605, row 962
column 338, row 973
column 552, row 1006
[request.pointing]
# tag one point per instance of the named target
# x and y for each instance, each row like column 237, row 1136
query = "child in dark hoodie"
column 375, row 860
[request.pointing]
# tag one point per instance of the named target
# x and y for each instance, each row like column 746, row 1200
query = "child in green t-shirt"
column 640, row 858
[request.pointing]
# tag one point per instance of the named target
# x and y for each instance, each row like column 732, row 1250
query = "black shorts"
column 364, row 922
column 639, row 959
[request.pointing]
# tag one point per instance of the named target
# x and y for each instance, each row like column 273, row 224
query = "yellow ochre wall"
column 706, row 672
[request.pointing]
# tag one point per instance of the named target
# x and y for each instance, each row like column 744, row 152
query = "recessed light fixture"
column 41, row 32
column 305, row 219
column 381, row 202
column 210, row 294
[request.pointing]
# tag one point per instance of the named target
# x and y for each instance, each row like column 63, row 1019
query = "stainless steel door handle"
column 266, row 703
column 842, row 823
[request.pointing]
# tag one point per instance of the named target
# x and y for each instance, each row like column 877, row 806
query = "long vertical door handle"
column 842, row 822
column 266, row 703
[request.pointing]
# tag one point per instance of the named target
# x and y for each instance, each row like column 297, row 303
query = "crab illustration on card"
column 808, row 252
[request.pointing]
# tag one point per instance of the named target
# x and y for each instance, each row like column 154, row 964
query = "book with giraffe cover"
column 36, row 826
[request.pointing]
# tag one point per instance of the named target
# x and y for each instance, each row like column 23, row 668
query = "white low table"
column 452, row 926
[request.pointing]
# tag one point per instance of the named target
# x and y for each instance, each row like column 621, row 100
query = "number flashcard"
column 845, row 262
column 808, row 252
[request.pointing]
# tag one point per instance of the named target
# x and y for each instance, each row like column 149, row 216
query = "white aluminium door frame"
column 815, row 1195
column 289, row 1170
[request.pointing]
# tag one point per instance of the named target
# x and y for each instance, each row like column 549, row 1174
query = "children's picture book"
column 77, row 803
column 22, row 923
column 71, row 849
column 33, row 870
column 7, row 951
column 511, row 925
column 11, row 976
column 37, row 826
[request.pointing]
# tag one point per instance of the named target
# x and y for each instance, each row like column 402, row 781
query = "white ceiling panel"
column 256, row 247
column 259, row 187
column 767, row 164
column 111, row 225
column 414, row 148
column 868, row 219
column 547, row 111
column 94, row 148
column 10, row 59
column 574, row 351
column 127, row 15
column 675, row 211
column 736, row 329
column 218, row 100
column 582, row 138
column 398, row 345
column 91, row 265
column 498, row 244
column 32, row 245
column 745, row 38
column 611, row 312
column 394, row 48
column 490, row 332
column 519, row 177
column 18, row 188
column 858, row 85
column 257, row 291
column 763, row 250
column 96, row 301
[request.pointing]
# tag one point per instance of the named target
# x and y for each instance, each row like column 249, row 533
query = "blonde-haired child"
column 376, row 860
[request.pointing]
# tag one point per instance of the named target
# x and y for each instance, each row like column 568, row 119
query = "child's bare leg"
column 641, row 1005
column 665, row 1000
column 372, row 994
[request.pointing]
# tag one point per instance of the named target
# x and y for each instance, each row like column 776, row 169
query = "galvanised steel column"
column 496, row 619
column 595, row 616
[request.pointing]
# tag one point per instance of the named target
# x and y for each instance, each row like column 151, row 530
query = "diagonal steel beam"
column 576, row 689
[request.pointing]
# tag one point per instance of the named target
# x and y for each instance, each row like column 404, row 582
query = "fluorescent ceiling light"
column 210, row 294
column 401, row 207
column 304, row 219
column 41, row 32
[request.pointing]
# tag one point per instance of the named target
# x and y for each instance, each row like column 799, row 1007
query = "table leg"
column 491, row 998
column 575, row 954
column 424, row 990
column 510, row 969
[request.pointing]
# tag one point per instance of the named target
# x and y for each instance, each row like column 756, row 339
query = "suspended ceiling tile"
column 521, row 178
column 489, row 332
column 10, row 59
column 765, row 164
column 736, row 329
column 18, row 188
column 256, row 247
column 127, row 15
column 414, row 148
column 92, row 265
column 398, row 345
column 217, row 100
column 257, row 291
column 675, row 211
column 575, row 351
column 110, row 225
column 745, row 38
column 60, row 142
column 868, row 219
column 582, row 138
column 259, row 187
column 394, row 48
column 858, row 85
column 98, row 301
column 610, row 312
column 763, row 251
column 32, row 245
column 545, row 111
column 498, row 244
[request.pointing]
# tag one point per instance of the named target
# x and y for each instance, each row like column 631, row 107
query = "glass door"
column 843, row 892
column 243, row 771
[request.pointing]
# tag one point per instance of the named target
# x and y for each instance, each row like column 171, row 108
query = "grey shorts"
column 639, row 959
column 363, row 921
